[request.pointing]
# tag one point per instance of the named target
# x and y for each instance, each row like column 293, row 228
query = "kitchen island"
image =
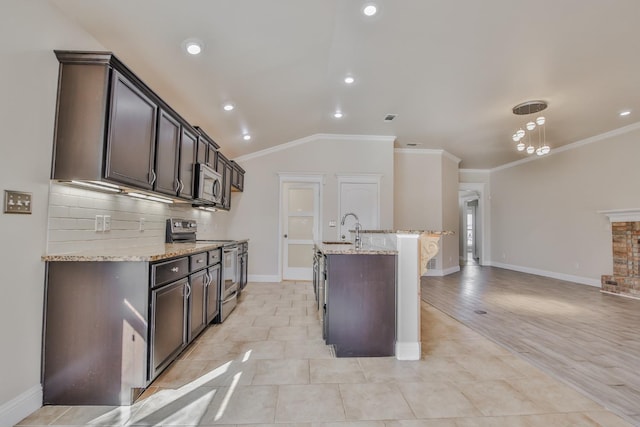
column 358, row 308
column 413, row 249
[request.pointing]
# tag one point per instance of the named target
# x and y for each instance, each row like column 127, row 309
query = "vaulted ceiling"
column 450, row 69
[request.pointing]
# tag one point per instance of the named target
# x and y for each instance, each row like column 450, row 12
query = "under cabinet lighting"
column 337, row 114
column 349, row 80
column 207, row 209
column 625, row 113
column 228, row 107
column 246, row 137
column 147, row 197
column 94, row 185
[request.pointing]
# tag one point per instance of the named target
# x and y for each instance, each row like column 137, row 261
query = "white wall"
column 29, row 31
column 256, row 211
column 543, row 213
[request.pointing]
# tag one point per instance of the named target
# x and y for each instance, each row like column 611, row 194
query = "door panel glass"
column 301, row 227
column 300, row 256
column 301, row 200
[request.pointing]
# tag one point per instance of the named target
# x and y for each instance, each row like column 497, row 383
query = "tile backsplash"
column 72, row 217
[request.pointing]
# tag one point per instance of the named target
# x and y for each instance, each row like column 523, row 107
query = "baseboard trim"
column 265, row 278
column 552, row 274
column 21, row 406
column 619, row 295
column 408, row 350
column 445, row 272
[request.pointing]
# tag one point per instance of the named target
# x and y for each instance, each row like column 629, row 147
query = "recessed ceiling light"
column 370, row 9
column 337, row 115
column 349, row 80
column 625, row 113
column 228, row 106
column 193, row 46
column 246, row 137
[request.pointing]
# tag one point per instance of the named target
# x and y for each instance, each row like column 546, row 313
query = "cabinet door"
column 212, row 157
column 226, row 198
column 167, row 151
column 213, row 293
column 168, row 318
column 132, row 135
column 197, row 322
column 188, row 144
column 203, row 148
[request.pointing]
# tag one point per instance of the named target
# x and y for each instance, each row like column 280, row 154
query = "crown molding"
column 315, row 137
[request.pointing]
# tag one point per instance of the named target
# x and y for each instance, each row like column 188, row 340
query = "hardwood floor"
column 575, row 333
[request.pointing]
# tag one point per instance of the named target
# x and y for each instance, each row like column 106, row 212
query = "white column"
column 408, row 297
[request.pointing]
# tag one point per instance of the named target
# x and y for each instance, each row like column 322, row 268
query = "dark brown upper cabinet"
column 188, row 151
column 223, row 167
column 110, row 126
column 237, row 177
column 132, row 135
column 207, row 149
column 167, row 154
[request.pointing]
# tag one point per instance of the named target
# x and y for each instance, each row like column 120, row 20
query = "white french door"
column 300, row 211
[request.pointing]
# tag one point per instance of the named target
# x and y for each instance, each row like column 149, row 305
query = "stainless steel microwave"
column 208, row 185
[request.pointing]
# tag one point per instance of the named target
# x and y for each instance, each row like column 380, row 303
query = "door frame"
column 483, row 222
column 292, row 178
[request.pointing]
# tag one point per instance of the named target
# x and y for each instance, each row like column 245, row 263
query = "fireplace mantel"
column 622, row 215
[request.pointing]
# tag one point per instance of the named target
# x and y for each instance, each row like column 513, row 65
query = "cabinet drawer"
column 214, row 256
column 198, row 261
column 169, row 271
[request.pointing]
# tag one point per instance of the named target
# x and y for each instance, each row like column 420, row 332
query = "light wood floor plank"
column 585, row 338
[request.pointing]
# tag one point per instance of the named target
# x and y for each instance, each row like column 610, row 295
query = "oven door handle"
column 233, row 296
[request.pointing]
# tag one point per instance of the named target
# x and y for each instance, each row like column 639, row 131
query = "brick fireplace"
column 625, row 235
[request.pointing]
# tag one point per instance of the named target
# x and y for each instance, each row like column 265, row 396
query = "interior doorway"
column 299, row 225
column 473, row 222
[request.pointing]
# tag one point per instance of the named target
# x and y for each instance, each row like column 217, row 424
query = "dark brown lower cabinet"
column 360, row 318
column 168, row 318
column 111, row 328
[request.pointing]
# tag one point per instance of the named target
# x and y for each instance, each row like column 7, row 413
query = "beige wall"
column 543, row 213
column 426, row 198
column 29, row 31
column 256, row 211
column 449, row 246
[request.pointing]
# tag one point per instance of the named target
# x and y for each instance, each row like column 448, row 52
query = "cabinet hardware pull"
column 188, row 290
column 199, row 261
column 177, row 185
column 153, row 174
column 181, row 186
column 175, row 269
column 285, row 236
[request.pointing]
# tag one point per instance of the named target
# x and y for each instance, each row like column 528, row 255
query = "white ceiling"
column 450, row 69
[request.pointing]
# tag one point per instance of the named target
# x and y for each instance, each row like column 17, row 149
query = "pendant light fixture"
column 526, row 139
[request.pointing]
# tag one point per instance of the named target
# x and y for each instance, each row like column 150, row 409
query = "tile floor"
column 267, row 364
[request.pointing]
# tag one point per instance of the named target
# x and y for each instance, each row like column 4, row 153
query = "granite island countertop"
column 154, row 253
column 330, row 248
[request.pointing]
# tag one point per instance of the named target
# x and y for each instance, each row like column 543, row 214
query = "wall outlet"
column 99, row 226
column 332, row 223
column 141, row 224
column 107, row 223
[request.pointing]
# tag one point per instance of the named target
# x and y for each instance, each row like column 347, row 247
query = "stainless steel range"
column 184, row 231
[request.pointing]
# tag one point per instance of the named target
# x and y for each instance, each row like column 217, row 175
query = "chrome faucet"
column 358, row 241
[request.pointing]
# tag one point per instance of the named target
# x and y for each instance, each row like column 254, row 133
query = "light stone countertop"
column 437, row 233
column 140, row 253
column 350, row 249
